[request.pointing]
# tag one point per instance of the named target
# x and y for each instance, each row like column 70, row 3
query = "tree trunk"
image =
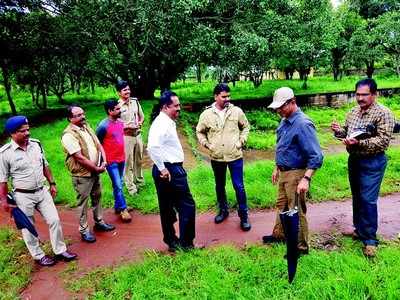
column 44, row 96
column 370, row 69
column 92, row 85
column 198, row 73
column 336, row 71
column 7, row 86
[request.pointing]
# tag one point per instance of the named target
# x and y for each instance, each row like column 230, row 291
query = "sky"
column 335, row 3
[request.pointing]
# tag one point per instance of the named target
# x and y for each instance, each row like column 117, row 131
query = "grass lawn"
column 256, row 272
column 261, row 193
column 191, row 91
column 15, row 264
column 264, row 123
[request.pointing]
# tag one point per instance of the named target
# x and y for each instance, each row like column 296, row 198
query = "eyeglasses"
column 362, row 94
column 284, row 104
column 78, row 115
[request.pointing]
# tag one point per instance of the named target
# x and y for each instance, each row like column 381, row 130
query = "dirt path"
column 128, row 241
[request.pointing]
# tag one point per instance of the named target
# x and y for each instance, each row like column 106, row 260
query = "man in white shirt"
column 169, row 176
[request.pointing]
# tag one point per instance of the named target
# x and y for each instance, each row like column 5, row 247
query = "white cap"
column 281, row 95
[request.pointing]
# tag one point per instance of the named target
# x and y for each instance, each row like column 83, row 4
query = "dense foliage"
column 51, row 47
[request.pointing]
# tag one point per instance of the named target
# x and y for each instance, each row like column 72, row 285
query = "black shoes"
column 88, row 237
column 66, row 256
column 177, row 246
column 223, row 214
column 245, row 224
column 103, row 227
column 173, row 246
column 270, row 239
column 46, row 261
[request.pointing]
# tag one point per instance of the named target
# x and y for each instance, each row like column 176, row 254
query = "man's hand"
column 53, row 191
column 275, row 176
column 350, row 141
column 335, row 126
column 303, row 186
column 165, row 174
column 100, row 169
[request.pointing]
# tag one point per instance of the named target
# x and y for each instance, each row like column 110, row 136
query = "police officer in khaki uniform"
column 85, row 160
column 24, row 162
column 133, row 117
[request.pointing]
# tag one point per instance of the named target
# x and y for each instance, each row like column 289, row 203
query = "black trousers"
column 174, row 197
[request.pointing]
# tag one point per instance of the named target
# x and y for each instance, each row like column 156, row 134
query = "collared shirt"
column 377, row 116
column 71, row 144
column 223, row 137
column 25, row 167
column 297, row 144
column 163, row 143
column 131, row 111
column 220, row 113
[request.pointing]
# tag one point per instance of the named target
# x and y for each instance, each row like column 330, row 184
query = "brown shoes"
column 125, row 216
column 369, row 250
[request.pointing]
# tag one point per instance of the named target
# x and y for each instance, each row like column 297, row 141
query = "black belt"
column 284, row 168
column 28, row 191
column 173, row 164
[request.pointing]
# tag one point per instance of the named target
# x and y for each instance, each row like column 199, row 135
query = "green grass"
column 260, row 192
column 15, row 265
column 191, row 91
column 264, row 123
column 255, row 272
column 50, row 136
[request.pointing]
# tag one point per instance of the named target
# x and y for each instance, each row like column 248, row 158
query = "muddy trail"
column 129, row 241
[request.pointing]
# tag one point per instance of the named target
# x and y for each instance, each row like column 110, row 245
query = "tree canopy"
column 54, row 46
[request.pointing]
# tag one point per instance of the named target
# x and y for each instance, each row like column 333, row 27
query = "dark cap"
column 14, row 123
column 121, row 84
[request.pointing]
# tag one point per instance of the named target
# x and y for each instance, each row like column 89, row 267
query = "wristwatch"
column 52, row 183
column 307, row 177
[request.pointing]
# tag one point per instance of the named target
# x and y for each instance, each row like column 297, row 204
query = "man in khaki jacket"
column 223, row 129
column 85, row 160
column 133, row 118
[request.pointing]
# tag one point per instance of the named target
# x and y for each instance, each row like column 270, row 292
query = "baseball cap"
column 281, row 95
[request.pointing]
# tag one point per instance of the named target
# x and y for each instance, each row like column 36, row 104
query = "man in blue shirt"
column 298, row 155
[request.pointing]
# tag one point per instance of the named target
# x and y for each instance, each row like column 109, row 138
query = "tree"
column 309, row 35
column 370, row 9
column 365, row 49
column 387, row 31
column 345, row 23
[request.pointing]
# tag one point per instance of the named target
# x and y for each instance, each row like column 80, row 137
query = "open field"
column 261, row 193
column 264, row 123
column 191, row 91
column 256, row 272
column 225, row 272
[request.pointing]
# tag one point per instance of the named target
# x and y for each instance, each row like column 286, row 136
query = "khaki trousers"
column 87, row 187
column 287, row 186
column 43, row 203
column 133, row 158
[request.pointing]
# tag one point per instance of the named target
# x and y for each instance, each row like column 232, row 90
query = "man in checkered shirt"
column 366, row 134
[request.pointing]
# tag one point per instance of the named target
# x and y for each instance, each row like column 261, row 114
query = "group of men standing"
column 223, row 128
